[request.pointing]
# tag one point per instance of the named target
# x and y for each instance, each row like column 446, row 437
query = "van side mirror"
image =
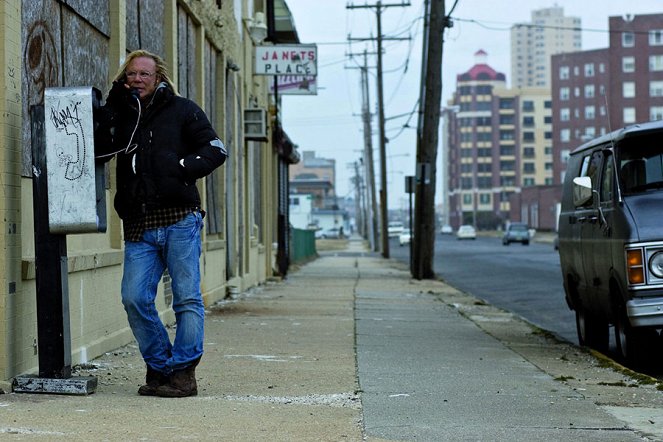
column 582, row 190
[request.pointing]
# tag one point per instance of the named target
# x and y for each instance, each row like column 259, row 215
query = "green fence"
column 302, row 245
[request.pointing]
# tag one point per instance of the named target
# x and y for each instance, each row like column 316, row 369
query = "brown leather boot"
column 153, row 380
column 181, row 383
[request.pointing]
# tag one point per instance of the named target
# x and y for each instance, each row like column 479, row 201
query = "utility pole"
column 384, row 210
column 369, row 170
column 359, row 207
column 368, row 155
column 427, row 140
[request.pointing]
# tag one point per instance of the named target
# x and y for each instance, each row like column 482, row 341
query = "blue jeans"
column 176, row 248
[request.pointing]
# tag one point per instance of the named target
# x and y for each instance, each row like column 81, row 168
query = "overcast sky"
column 329, row 123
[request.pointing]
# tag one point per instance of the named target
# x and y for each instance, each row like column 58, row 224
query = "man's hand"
column 118, row 94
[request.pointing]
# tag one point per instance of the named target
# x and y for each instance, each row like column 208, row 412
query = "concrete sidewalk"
column 350, row 348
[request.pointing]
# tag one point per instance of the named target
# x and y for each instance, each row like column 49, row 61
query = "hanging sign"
column 287, row 60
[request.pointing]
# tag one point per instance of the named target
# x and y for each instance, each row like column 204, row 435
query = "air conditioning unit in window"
column 255, row 124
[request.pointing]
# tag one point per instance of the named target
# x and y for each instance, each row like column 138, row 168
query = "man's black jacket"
column 159, row 154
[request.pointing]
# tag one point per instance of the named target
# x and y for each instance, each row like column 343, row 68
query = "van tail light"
column 634, row 267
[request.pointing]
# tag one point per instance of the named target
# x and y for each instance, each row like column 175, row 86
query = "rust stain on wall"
column 40, row 58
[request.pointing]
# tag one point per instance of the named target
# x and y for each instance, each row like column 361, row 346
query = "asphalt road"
column 525, row 280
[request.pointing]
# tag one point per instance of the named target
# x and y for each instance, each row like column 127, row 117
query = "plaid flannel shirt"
column 153, row 219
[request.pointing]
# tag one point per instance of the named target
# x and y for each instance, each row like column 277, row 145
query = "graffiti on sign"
column 72, row 194
column 296, row 85
column 67, row 120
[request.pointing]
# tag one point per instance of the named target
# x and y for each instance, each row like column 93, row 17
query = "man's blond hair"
column 161, row 69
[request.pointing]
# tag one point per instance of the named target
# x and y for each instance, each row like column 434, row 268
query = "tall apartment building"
column 535, row 137
column 533, row 43
column 499, row 141
column 597, row 91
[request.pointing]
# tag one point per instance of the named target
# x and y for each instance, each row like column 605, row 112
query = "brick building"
column 597, row 91
column 499, row 141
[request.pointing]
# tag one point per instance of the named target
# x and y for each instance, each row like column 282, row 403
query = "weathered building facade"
column 207, row 46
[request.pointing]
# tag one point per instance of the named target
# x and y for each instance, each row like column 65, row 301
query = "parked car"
column 611, row 239
column 405, row 237
column 446, row 230
column 466, row 232
column 516, row 232
column 332, row 233
column 394, row 229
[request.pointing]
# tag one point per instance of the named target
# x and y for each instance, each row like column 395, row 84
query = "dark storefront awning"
column 284, row 146
column 284, row 24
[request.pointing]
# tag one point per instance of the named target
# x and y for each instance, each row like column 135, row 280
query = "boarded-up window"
column 255, row 173
column 145, row 23
column 213, row 181
column 230, row 173
column 63, row 46
column 186, row 55
column 241, row 189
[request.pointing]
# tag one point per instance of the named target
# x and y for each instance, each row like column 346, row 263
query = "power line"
column 407, row 123
column 484, row 24
column 331, row 43
column 407, row 27
column 451, row 11
column 331, row 63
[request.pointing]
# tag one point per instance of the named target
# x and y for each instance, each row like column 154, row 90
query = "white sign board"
column 72, row 197
column 287, row 60
column 295, row 85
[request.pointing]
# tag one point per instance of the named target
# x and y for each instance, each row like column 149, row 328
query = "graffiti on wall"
column 40, row 59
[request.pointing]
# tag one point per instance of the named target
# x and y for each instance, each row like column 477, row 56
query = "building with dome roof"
column 497, row 141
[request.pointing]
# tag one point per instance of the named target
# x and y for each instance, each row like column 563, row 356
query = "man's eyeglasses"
column 142, row 75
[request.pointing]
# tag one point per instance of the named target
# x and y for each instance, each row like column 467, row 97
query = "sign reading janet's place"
column 287, row 60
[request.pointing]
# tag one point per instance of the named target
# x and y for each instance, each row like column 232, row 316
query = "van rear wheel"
column 592, row 331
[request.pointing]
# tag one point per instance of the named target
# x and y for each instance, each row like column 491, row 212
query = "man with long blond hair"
column 163, row 144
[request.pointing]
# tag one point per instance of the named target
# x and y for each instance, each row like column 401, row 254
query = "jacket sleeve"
column 106, row 122
column 104, row 119
column 206, row 152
